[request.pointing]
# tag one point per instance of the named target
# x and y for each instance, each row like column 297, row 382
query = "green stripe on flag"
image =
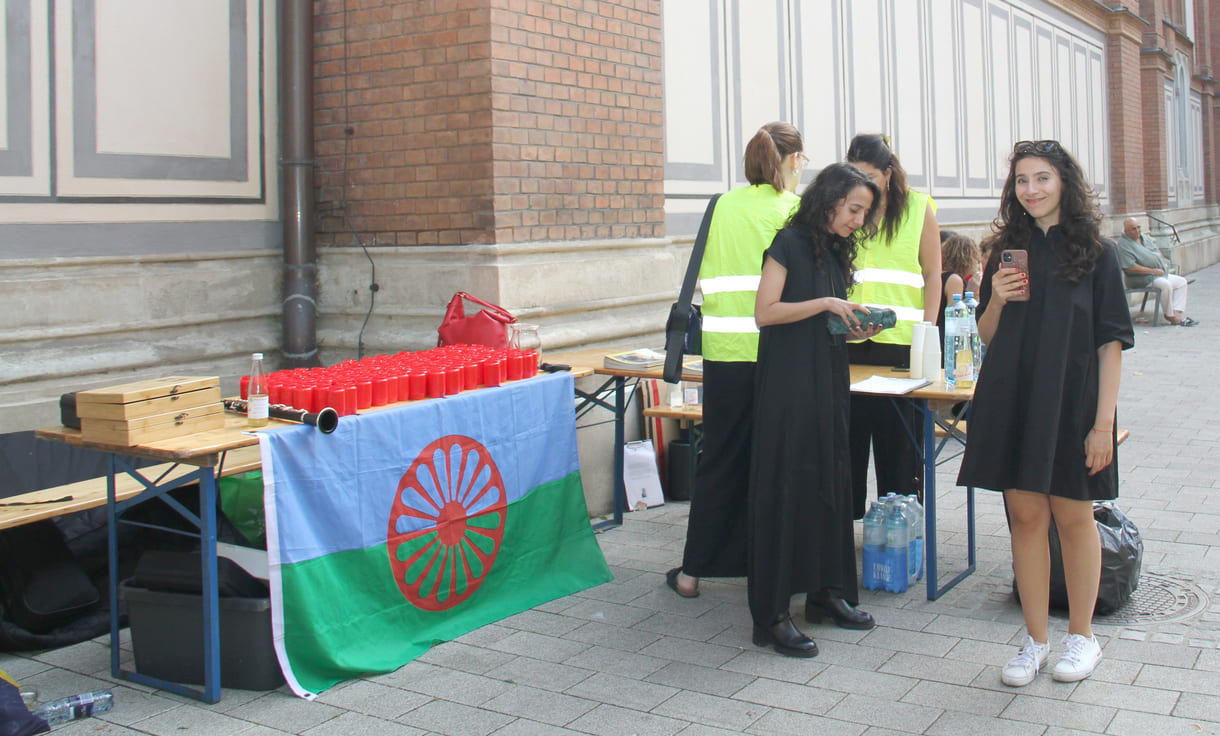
column 344, row 615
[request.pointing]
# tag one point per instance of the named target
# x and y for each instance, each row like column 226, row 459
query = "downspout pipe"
column 300, row 268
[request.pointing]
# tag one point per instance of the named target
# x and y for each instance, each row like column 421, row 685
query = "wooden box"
column 146, row 411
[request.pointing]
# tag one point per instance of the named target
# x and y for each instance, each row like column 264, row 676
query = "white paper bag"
column 640, row 476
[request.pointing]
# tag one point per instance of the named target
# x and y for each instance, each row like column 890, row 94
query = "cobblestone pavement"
column 630, row 657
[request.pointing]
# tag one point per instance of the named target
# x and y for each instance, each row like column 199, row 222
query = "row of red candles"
column 388, row 379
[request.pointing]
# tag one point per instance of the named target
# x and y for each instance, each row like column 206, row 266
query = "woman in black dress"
column 1042, row 422
column 800, row 502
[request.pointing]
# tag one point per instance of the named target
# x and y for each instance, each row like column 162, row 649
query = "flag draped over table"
column 417, row 524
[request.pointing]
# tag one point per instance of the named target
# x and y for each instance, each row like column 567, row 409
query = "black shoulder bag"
column 683, row 329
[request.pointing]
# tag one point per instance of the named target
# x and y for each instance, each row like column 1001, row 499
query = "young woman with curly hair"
column 1042, row 421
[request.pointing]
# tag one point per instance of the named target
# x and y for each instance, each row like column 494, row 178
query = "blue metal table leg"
column 929, row 463
column 211, row 594
column 620, row 488
column 210, row 599
column 112, row 553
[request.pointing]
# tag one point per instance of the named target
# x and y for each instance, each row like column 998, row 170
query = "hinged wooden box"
column 146, row 411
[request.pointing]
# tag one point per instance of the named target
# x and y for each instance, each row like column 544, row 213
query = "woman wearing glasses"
column 743, row 224
column 898, row 268
column 1042, row 421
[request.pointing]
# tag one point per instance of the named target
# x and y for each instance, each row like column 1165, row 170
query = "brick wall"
column 488, row 121
column 1126, row 117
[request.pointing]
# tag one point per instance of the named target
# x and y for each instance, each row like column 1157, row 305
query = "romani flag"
column 416, row 524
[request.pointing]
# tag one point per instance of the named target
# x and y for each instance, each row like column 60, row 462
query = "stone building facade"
column 550, row 156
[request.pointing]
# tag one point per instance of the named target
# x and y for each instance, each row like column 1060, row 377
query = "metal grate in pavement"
column 1158, row 599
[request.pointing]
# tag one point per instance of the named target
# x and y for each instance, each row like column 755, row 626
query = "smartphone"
column 1018, row 259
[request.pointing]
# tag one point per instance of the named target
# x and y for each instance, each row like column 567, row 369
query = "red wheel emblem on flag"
column 447, row 523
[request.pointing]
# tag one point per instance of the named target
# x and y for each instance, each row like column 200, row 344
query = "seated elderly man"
column 1143, row 265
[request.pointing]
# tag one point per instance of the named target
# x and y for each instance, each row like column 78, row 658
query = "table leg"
column 620, row 487
column 210, row 598
column 929, row 485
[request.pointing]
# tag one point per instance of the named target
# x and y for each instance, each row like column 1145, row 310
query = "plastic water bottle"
column 915, row 509
column 258, row 403
column 875, row 571
column 57, row 712
column 972, row 306
column 959, row 350
column 896, row 548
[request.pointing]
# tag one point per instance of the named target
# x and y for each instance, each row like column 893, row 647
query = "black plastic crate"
column 167, row 638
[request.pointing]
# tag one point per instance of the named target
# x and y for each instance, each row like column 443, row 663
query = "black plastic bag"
column 1122, row 554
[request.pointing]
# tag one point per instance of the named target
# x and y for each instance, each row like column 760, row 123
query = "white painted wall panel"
column 691, row 102
column 946, row 173
column 911, row 91
column 760, row 48
column 162, row 78
column 867, row 88
column 1003, row 111
column 1096, row 138
column 1196, row 147
column 1025, row 78
column 819, row 117
column 975, row 96
column 1044, row 84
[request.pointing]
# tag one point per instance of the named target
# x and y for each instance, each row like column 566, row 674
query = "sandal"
column 671, row 579
column 1187, row 322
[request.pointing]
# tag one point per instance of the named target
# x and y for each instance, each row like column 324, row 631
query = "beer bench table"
column 200, row 457
column 589, row 362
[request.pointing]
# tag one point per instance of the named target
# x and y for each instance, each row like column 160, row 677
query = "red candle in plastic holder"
column 364, row 393
column 417, row 380
column 301, row 397
column 453, row 379
column 531, row 363
column 245, row 388
column 351, row 398
column 391, row 388
column 436, row 382
column 335, row 400
column 404, row 385
column 516, row 365
column 472, row 376
column 491, row 371
column 380, row 390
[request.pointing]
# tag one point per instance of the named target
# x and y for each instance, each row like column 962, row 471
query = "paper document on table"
column 888, row 385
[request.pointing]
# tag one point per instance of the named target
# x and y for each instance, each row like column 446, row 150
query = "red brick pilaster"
column 488, row 121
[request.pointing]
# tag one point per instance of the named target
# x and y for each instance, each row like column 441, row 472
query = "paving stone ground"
column 630, row 657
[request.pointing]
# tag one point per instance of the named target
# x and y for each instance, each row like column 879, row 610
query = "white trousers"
column 1173, row 293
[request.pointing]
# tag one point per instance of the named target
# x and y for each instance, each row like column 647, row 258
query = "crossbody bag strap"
column 696, row 257
column 679, row 312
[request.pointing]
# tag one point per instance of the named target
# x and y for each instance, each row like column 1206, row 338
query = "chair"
column 1145, row 291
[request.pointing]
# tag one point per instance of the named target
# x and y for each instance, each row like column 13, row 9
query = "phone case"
column 1019, row 260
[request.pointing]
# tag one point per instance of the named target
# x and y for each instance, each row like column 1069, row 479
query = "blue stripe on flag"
column 346, row 480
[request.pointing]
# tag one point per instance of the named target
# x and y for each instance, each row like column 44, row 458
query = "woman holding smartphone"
column 1042, row 421
column 801, row 537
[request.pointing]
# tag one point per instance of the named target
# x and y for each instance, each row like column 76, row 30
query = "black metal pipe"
column 300, row 268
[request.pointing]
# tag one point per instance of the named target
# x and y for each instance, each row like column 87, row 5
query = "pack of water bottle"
column 963, row 353
column 893, row 544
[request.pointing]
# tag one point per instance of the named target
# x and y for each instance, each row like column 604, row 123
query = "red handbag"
column 488, row 326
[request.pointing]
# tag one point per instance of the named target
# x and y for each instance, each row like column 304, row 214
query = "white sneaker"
column 1081, row 656
column 1024, row 667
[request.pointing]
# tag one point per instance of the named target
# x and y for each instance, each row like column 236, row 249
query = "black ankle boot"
column 786, row 638
column 844, row 614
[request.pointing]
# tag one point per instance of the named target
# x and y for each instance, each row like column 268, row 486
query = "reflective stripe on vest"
column 889, row 275
column 721, row 284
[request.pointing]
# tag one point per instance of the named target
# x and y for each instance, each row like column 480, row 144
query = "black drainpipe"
column 296, row 184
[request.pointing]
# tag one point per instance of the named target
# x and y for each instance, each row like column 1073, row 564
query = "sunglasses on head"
column 1036, row 147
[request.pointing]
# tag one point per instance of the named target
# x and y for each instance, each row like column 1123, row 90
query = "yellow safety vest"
column 888, row 273
column 744, row 223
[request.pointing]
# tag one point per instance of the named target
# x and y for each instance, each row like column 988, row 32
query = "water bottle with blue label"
column 897, row 547
column 876, row 570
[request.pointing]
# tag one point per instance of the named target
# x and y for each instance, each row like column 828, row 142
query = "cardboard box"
column 147, row 411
